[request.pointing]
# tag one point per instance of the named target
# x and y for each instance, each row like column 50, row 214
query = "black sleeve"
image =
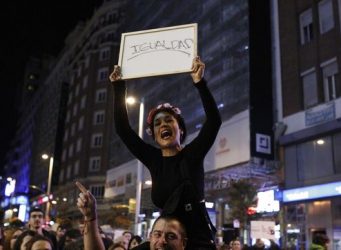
column 206, row 137
column 134, row 143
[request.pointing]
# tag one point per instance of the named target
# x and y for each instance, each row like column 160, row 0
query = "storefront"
column 310, row 210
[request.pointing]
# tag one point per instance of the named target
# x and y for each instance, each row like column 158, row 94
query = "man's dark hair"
column 169, row 218
column 36, row 209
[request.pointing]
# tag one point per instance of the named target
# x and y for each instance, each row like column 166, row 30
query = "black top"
column 165, row 171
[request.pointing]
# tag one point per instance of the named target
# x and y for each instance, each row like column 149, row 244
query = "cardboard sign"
column 263, row 230
column 160, row 51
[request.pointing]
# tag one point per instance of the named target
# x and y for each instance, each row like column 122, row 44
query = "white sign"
column 160, row 51
column 263, row 230
column 263, row 143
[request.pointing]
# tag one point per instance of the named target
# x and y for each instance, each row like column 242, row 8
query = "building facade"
column 307, row 60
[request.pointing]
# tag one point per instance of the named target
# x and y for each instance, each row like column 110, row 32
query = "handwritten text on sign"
column 158, row 52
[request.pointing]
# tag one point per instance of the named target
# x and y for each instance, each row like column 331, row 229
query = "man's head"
column 36, row 220
column 168, row 233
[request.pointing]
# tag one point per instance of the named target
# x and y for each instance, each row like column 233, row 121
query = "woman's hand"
column 116, row 74
column 86, row 203
column 198, row 70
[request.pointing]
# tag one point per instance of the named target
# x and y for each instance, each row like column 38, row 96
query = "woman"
column 134, row 242
column 39, row 242
column 177, row 172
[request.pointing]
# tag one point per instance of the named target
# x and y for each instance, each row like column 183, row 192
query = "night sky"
column 31, row 28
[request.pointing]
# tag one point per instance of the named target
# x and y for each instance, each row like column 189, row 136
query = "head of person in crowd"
column 60, row 232
column 36, row 220
column 72, row 235
column 134, row 242
column 126, row 236
column 259, row 244
column 166, row 125
column 117, row 246
column 236, row 245
column 26, row 236
column 39, row 242
column 16, row 233
column 9, row 236
column 168, row 233
column 320, row 239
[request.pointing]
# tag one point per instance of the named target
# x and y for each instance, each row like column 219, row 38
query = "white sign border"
column 136, row 33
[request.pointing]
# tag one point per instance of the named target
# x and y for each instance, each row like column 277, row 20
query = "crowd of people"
column 177, row 173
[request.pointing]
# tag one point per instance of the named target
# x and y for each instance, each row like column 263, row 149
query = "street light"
column 49, row 180
column 132, row 100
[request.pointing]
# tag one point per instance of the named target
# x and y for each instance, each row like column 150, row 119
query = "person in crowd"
column 23, row 238
column 236, row 245
column 273, row 245
column 126, row 235
column 167, row 232
column 134, row 242
column 60, row 232
column 39, row 242
column 16, row 233
column 177, row 172
column 36, row 222
column 86, row 204
column 117, row 246
column 259, row 245
column 320, row 242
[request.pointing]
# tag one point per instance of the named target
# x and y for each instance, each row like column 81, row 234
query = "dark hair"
column 20, row 239
column 135, row 237
column 169, row 218
column 73, row 233
column 36, row 209
column 36, row 238
column 174, row 111
column 320, row 239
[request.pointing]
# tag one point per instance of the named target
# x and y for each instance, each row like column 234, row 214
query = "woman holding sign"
column 177, row 171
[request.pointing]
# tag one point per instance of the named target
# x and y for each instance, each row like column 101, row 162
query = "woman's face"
column 133, row 244
column 166, row 130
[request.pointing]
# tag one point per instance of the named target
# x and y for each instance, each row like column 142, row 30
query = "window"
column 83, row 102
column 71, row 150
column 309, row 82
column 104, row 54
column 64, row 155
column 99, row 117
column 73, row 129
column 81, row 123
column 79, row 145
column 306, row 26
column 95, row 163
column 66, row 135
column 76, row 168
column 128, row 178
column 87, row 61
column 101, row 95
column 68, row 172
column 77, row 90
column 61, row 175
column 68, row 114
column 85, row 82
column 97, row 191
column 326, row 16
column 337, row 155
column 331, row 80
column 103, row 75
column 75, row 109
column 97, row 140
column 69, row 99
